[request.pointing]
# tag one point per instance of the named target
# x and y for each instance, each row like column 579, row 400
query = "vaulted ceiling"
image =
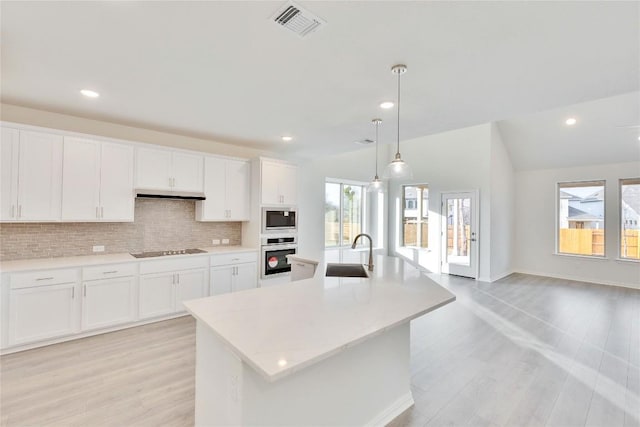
column 225, row 71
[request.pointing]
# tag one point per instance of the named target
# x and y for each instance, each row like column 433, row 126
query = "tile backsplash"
column 159, row 224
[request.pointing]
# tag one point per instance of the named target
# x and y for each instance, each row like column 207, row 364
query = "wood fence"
column 582, row 241
column 332, row 232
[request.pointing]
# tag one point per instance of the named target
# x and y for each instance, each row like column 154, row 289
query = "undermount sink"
column 346, row 270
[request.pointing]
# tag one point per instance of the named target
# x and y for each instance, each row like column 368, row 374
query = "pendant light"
column 398, row 168
column 376, row 186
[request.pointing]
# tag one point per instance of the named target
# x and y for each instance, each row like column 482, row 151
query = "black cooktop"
column 152, row 254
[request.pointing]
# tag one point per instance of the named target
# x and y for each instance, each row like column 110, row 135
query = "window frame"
column 363, row 210
column 621, row 182
column 581, row 183
column 419, row 217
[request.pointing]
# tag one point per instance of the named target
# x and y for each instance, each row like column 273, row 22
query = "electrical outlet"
column 98, row 248
column 215, row 242
column 225, row 241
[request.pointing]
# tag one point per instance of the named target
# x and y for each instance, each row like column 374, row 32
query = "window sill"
column 600, row 257
column 631, row 260
column 415, row 248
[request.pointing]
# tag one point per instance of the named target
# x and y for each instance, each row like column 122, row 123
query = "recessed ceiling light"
column 386, row 105
column 287, row 138
column 571, row 121
column 282, row 362
column 89, row 93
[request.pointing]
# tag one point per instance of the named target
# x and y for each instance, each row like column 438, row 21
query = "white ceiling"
column 224, row 71
column 606, row 131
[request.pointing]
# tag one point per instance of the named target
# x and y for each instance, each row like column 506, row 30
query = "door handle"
column 97, row 212
column 101, row 211
column 84, row 290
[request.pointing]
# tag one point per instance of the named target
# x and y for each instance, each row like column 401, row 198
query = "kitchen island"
column 321, row 351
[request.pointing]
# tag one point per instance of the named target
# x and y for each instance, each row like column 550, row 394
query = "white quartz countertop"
column 282, row 329
column 87, row 260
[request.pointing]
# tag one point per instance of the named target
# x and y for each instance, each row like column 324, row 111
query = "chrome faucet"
column 370, row 265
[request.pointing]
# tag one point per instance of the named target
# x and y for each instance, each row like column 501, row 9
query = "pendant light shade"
column 377, row 185
column 398, row 168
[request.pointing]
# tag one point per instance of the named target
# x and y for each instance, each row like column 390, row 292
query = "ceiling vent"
column 365, row 141
column 293, row 17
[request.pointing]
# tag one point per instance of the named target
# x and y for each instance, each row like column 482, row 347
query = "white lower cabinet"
column 233, row 272
column 165, row 283
column 163, row 293
column 191, row 285
column 45, row 306
column 108, row 302
column 42, row 312
column 157, row 294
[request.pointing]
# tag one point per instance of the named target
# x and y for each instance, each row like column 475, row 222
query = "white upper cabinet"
column 187, row 172
column 279, row 183
column 168, row 170
column 81, row 179
column 97, row 182
column 116, row 183
column 238, row 189
column 153, row 169
column 227, row 190
column 9, row 146
column 31, row 176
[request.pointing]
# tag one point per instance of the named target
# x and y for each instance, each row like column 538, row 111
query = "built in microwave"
column 279, row 220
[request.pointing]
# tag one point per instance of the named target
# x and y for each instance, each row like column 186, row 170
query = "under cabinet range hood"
column 168, row 194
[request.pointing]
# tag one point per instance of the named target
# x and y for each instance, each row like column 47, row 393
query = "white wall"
column 451, row 161
column 502, row 207
column 536, row 226
column 30, row 116
column 357, row 166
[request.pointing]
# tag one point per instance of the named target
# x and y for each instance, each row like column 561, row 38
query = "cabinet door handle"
column 84, row 290
column 110, row 272
column 19, row 211
column 97, row 212
column 300, row 265
column 101, row 211
column 177, row 279
column 44, row 278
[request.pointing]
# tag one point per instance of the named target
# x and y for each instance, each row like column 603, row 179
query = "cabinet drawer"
column 108, row 271
column 235, row 258
column 164, row 265
column 43, row 278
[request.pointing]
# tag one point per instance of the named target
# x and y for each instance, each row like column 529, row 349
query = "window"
column 415, row 216
column 629, row 215
column 581, row 218
column 343, row 213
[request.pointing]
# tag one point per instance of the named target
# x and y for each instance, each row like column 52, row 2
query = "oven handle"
column 278, row 247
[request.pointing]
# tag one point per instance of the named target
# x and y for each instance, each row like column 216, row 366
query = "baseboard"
column 79, row 335
column 501, row 275
column 393, row 411
column 575, row 278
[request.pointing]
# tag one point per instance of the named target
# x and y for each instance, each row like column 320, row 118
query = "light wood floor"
column 522, row 351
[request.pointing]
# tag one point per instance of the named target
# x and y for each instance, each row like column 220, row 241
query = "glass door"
column 459, row 234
